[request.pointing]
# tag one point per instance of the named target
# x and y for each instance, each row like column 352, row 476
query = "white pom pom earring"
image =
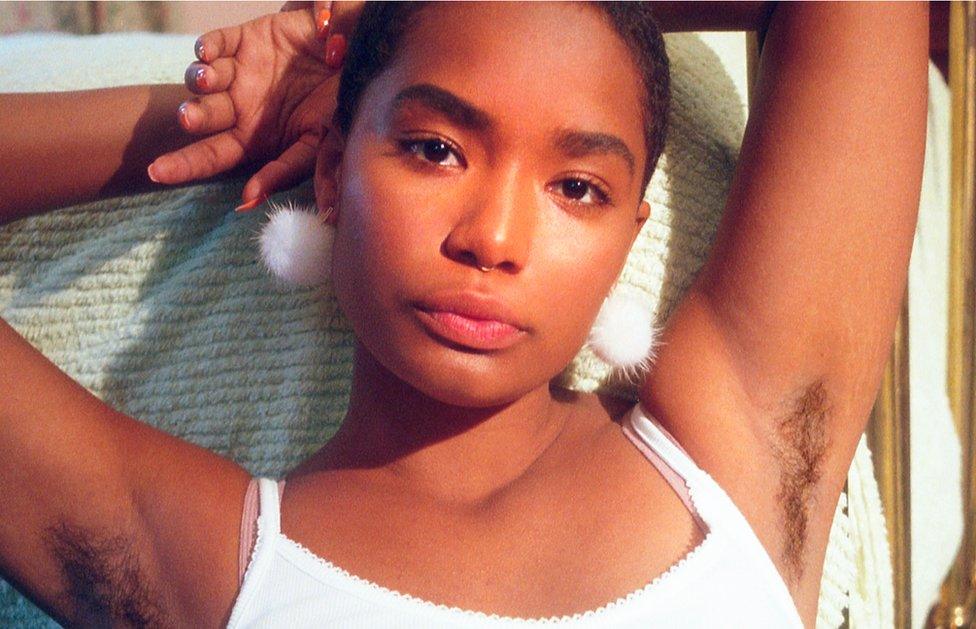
column 296, row 244
column 624, row 335
column 296, row 247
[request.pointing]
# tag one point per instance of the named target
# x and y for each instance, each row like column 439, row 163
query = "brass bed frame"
column 956, row 608
column 890, row 425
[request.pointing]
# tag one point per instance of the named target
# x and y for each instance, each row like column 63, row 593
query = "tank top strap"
column 671, row 460
column 249, row 529
column 270, row 506
column 643, row 425
column 261, row 502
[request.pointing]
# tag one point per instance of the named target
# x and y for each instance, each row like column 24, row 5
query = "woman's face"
column 506, row 136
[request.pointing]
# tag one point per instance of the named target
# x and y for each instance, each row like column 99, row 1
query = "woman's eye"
column 578, row 190
column 431, row 150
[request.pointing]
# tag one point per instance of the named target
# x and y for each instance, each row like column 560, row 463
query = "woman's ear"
column 328, row 173
column 643, row 213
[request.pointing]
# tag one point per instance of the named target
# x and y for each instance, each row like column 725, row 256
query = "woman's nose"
column 495, row 229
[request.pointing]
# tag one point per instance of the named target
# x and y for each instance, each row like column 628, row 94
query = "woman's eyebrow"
column 450, row 105
column 578, row 143
column 571, row 142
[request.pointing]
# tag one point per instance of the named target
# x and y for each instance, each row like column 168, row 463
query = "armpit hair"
column 104, row 582
column 800, row 443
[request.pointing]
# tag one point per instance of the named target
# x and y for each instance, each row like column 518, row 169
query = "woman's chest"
column 582, row 535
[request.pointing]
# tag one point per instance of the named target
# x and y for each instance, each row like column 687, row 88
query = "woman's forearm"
column 69, row 147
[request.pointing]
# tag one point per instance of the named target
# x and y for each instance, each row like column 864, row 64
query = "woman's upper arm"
column 100, row 514
column 790, row 321
column 809, row 267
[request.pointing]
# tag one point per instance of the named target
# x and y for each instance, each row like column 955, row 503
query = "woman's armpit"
column 104, row 580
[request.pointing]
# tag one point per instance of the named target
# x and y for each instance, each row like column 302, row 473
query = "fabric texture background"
column 157, row 304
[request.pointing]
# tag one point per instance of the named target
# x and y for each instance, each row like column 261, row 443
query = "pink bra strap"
column 249, row 525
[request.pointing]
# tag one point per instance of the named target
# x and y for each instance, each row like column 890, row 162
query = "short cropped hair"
column 382, row 25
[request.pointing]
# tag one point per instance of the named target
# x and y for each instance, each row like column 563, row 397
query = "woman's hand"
column 265, row 91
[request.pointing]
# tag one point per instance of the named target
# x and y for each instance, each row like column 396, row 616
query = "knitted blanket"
column 156, row 302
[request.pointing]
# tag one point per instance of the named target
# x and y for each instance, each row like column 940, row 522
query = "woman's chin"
column 468, row 387
column 464, row 380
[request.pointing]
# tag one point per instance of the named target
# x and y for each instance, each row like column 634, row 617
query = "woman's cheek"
column 582, row 272
column 385, row 240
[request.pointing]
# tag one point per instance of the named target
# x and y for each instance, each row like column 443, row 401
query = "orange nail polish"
column 250, row 205
column 335, row 50
column 322, row 21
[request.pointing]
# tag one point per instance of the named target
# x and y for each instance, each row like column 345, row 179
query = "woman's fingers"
column 344, row 15
column 206, row 158
column 335, row 50
column 295, row 6
column 322, row 12
column 334, row 23
column 291, row 167
column 222, row 42
column 201, row 78
column 209, row 114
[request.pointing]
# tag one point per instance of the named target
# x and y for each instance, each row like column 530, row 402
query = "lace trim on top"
column 670, row 574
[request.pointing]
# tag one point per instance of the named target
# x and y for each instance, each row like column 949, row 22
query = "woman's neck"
column 449, row 453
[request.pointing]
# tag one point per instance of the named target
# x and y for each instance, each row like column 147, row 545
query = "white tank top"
column 728, row 580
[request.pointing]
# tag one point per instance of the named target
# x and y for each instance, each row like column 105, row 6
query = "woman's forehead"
column 528, row 67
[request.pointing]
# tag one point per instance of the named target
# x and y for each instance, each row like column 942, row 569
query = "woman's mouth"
column 451, row 318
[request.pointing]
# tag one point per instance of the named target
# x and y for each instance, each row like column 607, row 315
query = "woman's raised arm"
column 100, row 520
column 772, row 362
column 261, row 97
column 100, row 516
column 61, row 148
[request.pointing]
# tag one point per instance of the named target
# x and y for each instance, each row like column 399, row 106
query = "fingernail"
column 184, row 116
column 151, row 171
column 335, row 49
column 198, row 50
column 201, row 78
column 322, row 21
column 250, row 205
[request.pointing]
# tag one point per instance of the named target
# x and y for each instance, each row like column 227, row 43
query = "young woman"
column 490, row 162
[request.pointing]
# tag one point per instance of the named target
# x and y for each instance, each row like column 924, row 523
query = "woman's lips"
column 470, row 332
